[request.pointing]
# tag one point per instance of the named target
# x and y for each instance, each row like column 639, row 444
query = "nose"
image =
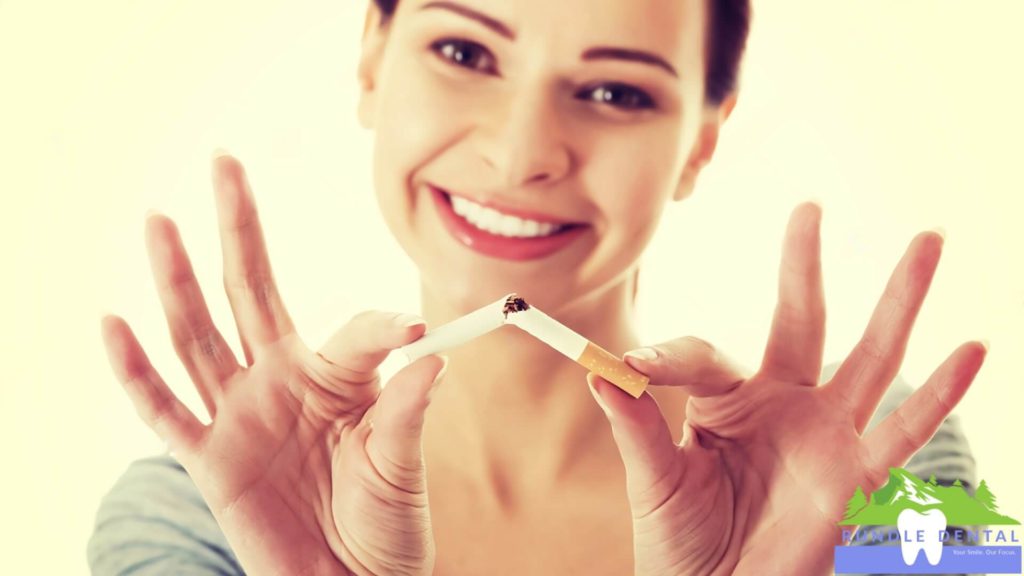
column 524, row 143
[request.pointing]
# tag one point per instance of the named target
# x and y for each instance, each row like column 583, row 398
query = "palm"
column 291, row 461
column 786, row 485
column 768, row 461
column 265, row 460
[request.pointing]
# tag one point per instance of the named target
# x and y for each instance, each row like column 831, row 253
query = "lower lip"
column 495, row 245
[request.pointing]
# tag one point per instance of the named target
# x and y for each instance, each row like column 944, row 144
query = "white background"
column 898, row 116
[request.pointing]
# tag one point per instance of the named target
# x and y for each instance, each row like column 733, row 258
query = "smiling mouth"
column 499, row 234
column 501, row 222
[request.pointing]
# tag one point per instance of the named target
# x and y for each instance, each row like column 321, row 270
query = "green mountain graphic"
column 904, row 490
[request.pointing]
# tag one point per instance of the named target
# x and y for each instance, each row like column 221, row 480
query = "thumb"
column 644, row 440
column 394, row 444
column 690, row 362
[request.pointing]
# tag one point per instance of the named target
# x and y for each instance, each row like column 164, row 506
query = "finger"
column 644, row 440
column 797, row 341
column 864, row 376
column 395, row 445
column 200, row 346
column 689, row 362
column 904, row 431
column 158, row 407
column 248, row 279
column 355, row 351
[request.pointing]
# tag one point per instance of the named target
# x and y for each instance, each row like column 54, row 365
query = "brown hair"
column 728, row 28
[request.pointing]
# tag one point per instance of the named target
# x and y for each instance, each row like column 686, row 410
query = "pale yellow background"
column 899, row 116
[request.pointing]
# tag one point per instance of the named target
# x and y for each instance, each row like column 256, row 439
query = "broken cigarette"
column 514, row 310
column 576, row 347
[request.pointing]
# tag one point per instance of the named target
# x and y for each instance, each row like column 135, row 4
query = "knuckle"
column 797, row 311
column 939, row 401
column 160, row 415
column 690, row 348
column 178, row 285
column 871, row 348
column 907, row 437
column 153, row 406
column 877, row 475
column 700, row 343
column 194, row 335
column 245, row 221
column 207, row 342
column 258, row 287
column 698, row 348
column 897, row 296
column 368, row 318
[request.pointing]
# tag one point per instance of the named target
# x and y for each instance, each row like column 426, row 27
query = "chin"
column 464, row 290
column 565, row 296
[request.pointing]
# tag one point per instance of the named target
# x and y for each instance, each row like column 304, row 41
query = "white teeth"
column 495, row 222
column 921, row 532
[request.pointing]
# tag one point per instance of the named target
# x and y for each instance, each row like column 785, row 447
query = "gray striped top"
column 154, row 521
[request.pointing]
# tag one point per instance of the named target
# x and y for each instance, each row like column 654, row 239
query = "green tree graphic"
column 906, row 491
column 856, row 503
column 986, row 497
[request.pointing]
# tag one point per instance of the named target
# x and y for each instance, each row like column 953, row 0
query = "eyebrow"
column 613, row 53
column 493, row 24
column 590, row 54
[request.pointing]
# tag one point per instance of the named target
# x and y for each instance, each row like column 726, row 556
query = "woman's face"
column 560, row 129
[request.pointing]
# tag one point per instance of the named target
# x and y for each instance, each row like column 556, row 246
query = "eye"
column 619, row 96
column 461, row 52
column 467, row 54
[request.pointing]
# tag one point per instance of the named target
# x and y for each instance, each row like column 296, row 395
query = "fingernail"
column 408, row 320
column 218, row 152
column 816, row 200
column 940, row 231
column 985, row 343
column 151, row 212
column 643, row 354
column 440, row 375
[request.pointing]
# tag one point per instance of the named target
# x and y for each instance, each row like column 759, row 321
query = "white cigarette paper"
column 580, row 350
column 550, row 331
column 458, row 331
column 515, row 311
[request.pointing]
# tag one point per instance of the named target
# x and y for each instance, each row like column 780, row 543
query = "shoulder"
column 947, row 455
column 154, row 520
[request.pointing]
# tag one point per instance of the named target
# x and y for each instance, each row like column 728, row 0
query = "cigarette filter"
column 579, row 349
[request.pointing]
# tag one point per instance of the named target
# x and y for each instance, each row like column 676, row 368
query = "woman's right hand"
column 309, row 465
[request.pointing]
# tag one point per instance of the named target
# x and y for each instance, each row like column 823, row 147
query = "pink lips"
column 504, row 247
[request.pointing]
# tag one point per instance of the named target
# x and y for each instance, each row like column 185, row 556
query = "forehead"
column 671, row 29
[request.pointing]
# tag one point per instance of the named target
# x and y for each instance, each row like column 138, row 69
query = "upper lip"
column 511, row 211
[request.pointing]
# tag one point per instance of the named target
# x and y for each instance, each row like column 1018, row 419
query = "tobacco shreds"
column 514, row 304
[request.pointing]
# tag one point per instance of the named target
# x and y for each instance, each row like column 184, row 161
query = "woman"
column 515, row 152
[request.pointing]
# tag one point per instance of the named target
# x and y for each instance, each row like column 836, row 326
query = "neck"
column 516, row 417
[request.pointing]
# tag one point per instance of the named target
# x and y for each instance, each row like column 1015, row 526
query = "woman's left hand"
column 769, row 460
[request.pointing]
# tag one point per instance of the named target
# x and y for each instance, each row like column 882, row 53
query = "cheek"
column 418, row 104
column 414, row 121
column 633, row 178
column 630, row 177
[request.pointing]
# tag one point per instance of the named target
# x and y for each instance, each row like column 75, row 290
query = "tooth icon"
column 921, row 532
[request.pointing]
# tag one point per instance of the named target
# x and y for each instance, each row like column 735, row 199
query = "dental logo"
column 939, row 530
